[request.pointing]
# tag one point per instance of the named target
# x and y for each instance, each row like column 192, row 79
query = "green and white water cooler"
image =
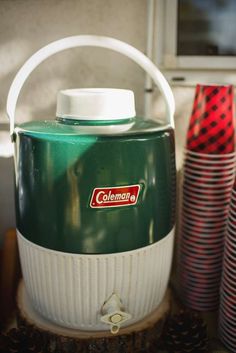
column 95, row 200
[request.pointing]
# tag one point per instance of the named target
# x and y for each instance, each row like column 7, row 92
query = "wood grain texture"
column 138, row 337
column 9, row 276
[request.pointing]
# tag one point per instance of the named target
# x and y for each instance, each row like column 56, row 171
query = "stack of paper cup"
column 208, row 176
column 227, row 313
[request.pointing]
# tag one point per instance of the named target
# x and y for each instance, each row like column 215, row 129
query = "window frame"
column 185, row 68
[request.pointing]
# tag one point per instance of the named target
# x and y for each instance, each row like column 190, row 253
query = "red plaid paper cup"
column 212, row 127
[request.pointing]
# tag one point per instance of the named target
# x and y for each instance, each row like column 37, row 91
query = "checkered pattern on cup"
column 211, row 129
column 208, row 177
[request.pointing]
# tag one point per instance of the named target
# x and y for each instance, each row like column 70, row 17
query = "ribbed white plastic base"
column 70, row 289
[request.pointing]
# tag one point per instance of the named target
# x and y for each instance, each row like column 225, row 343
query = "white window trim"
column 186, row 70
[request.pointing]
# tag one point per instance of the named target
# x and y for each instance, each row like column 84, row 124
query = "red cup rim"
column 198, row 273
column 217, row 208
column 201, row 273
column 230, row 242
column 201, row 283
column 228, row 252
column 225, row 162
column 206, row 213
column 195, row 242
column 202, row 266
column 228, row 262
column 233, row 198
column 226, row 286
column 230, row 246
column 203, row 241
column 227, row 322
column 210, row 156
column 187, row 213
column 199, row 277
column 206, row 305
column 201, row 173
column 231, row 225
column 210, row 227
column 228, row 255
column 203, row 238
column 230, row 232
column 229, row 249
column 205, row 196
column 211, row 262
column 228, row 267
column 223, row 314
column 226, row 340
column 228, row 327
column 227, row 280
column 214, row 181
column 211, row 285
column 227, row 275
column 207, row 187
column 226, row 296
column 210, row 232
column 201, row 223
column 198, row 235
column 201, row 166
column 199, row 217
column 228, row 308
column 206, row 203
column 211, row 280
column 232, row 205
column 231, row 215
column 200, row 297
column 210, row 248
column 203, row 230
column 227, row 334
column 189, row 294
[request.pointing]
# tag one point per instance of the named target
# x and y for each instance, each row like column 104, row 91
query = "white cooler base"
column 70, row 289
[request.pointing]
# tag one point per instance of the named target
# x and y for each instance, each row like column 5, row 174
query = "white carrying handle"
column 83, row 41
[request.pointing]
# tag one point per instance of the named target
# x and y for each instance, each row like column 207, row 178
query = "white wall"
column 184, row 100
column 27, row 25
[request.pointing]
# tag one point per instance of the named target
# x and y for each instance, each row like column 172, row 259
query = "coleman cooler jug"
column 95, row 200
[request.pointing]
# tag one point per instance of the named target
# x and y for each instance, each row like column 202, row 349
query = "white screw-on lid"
column 96, row 104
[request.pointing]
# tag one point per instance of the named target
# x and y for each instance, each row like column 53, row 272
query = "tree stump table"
column 139, row 337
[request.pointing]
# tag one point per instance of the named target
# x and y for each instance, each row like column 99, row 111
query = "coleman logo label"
column 115, row 196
